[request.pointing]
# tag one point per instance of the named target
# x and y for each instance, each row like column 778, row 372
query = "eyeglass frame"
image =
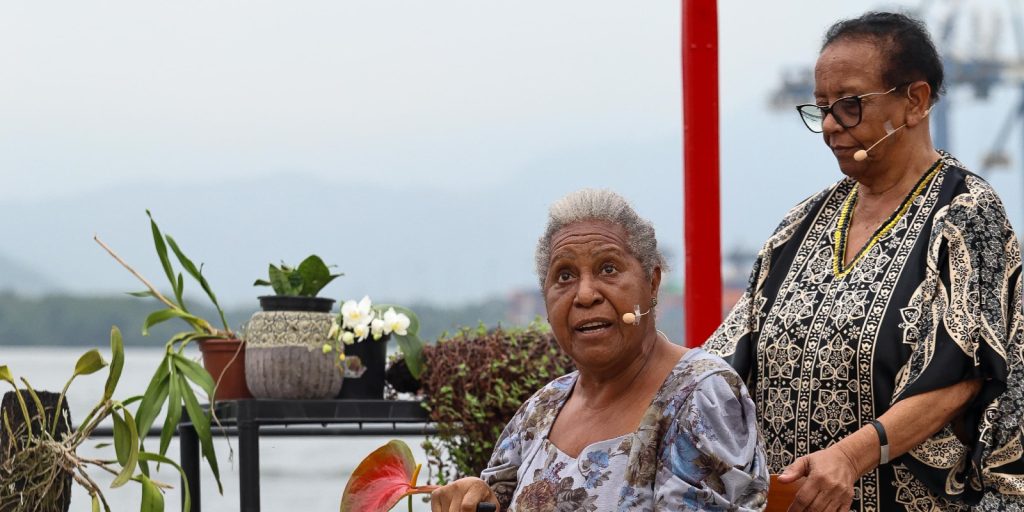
column 825, row 111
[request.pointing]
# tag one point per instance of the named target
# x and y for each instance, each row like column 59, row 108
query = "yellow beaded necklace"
column 842, row 226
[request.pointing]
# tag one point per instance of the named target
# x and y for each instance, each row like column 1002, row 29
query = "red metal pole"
column 702, row 247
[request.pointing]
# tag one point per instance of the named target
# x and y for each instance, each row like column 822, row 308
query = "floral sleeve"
column 711, row 457
column 502, row 472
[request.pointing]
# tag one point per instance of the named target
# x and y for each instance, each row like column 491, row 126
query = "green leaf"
column 281, row 281
column 164, row 315
column 161, row 251
column 142, row 294
column 152, row 498
column 197, row 274
column 202, row 425
column 5, row 374
column 412, row 349
column 40, row 410
column 173, row 412
column 154, row 397
column 122, row 439
column 90, row 362
column 116, row 362
column 195, row 373
column 181, row 286
column 152, row 457
column 315, row 275
column 261, row 282
column 128, row 468
column 95, row 503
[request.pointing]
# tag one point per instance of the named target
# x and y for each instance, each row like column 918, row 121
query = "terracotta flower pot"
column 225, row 360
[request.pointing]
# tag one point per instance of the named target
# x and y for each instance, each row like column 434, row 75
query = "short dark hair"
column 905, row 43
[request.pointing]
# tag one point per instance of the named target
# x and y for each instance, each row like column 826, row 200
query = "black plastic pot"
column 295, row 303
column 374, row 355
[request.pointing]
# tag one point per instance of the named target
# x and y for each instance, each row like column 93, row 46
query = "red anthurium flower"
column 382, row 479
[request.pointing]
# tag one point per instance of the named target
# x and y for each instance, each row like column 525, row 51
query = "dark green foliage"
column 475, row 382
column 306, row 280
column 62, row 320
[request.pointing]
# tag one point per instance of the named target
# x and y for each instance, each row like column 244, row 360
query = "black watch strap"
column 883, row 442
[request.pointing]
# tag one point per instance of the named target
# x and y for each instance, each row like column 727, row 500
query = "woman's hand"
column 830, row 475
column 462, row 495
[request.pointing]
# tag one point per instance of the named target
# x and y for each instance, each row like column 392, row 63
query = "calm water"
column 307, row 474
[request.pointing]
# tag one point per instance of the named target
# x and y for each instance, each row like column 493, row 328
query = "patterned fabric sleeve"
column 735, row 338
column 972, row 329
column 711, row 457
column 502, row 472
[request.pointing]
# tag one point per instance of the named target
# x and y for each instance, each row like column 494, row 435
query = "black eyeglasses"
column 846, row 111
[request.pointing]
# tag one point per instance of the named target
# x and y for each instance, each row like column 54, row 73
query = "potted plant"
column 474, row 382
column 284, row 357
column 223, row 352
column 360, row 334
column 38, row 459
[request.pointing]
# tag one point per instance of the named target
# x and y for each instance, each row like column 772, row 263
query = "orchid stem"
column 149, row 285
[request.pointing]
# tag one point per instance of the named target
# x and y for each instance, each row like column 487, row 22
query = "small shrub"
column 474, row 382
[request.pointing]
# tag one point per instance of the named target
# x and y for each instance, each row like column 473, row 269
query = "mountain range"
column 398, row 242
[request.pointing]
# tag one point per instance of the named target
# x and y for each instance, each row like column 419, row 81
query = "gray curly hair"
column 601, row 205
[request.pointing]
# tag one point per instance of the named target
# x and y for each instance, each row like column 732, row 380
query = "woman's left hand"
column 830, row 475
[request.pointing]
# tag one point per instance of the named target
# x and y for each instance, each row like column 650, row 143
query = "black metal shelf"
column 250, row 419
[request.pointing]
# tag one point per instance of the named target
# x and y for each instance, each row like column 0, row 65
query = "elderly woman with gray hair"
column 643, row 424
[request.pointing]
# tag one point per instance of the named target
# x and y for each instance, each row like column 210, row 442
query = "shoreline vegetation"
column 65, row 320
column 80, row 321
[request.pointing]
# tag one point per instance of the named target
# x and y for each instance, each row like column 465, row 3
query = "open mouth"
column 593, row 327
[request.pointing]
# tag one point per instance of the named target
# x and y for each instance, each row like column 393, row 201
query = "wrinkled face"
column 592, row 280
column 851, row 68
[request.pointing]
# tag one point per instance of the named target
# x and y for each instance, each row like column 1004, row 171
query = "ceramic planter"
column 284, row 357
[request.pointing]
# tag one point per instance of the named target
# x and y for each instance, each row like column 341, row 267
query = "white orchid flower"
column 348, row 338
column 397, row 323
column 361, row 331
column 354, row 314
column 377, row 328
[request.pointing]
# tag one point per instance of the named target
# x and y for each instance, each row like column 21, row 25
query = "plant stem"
column 151, row 288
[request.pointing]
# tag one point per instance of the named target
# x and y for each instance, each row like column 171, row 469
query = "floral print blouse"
column 697, row 448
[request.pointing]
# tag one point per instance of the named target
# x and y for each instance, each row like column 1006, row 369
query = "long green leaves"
column 7, row 376
column 165, row 262
column 197, row 274
column 164, row 315
column 152, row 457
column 202, row 425
column 154, row 398
column 172, row 384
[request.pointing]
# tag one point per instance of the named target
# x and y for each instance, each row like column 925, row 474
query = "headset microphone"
column 862, row 154
column 632, row 318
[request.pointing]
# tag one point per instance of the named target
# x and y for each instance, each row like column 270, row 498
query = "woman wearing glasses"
column 881, row 336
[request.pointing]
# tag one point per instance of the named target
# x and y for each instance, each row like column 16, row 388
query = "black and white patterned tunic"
column 933, row 299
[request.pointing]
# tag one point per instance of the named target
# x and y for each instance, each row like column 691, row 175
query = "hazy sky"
column 410, row 100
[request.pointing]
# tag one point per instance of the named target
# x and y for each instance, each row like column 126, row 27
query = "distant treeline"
column 61, row 320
